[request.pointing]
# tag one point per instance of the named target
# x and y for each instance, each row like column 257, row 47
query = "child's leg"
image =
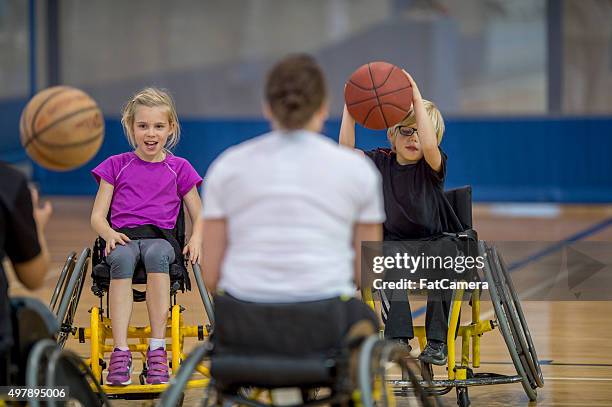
column 158, row 303
column 396, row 314
column 157, row 255
column 436, row 318
column 436, row 327
column 122, row 261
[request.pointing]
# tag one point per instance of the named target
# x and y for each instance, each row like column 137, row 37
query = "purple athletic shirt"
column 146, row 193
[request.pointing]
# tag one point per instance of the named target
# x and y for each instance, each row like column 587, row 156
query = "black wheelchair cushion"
column 279, row 345
column 100, row 272
column 272, row 371
column 295, row 329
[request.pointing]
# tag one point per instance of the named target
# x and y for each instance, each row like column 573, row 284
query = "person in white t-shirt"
column 284, row 213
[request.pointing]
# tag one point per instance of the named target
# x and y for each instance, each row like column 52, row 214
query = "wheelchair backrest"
column 32, row 321
column 461, row 201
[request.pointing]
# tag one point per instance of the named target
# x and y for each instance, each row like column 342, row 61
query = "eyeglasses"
column 407, row 131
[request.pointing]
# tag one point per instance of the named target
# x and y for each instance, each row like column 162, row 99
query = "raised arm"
column 426, row 132
column 98, row 218
column 347, row 130
column 194, row 207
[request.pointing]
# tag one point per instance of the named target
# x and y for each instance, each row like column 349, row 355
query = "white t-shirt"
column 291, row 201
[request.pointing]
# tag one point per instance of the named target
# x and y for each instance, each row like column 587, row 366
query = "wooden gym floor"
column 573, row 338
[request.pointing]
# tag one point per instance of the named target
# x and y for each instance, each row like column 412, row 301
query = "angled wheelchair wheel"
column 60, row 287
column 375, row 388
column 65, row 369
column 72, row 294
column 519, row 326
column 37, row 364
column 204, row 295
column 503, row 312
column 174, row 394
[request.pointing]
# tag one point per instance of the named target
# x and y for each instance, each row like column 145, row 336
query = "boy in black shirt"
column 413, row 173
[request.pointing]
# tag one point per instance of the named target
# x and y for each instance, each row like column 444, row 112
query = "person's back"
column 292, row 200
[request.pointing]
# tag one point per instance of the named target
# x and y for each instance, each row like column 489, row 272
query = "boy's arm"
column 347, row 130
column 426, row 132
column 194, row 207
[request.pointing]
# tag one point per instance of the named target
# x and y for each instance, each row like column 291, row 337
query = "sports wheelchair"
column 296, row 354
column 509, row 318
column 67, row 293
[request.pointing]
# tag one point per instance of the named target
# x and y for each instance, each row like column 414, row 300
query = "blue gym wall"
column 534, row 159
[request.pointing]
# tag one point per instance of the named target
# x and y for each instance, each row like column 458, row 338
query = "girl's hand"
column 112, row 239
column 192, row 250
column 416, row 93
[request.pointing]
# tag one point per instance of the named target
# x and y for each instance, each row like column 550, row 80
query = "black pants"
column 397, row 315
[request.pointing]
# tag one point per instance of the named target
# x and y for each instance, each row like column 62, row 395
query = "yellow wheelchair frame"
column 100, row 330
column 509, row 318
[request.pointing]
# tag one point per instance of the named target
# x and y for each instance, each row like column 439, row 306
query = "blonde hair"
column 434, row 115
column 151, row 97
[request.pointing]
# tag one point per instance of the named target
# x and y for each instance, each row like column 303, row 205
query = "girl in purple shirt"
column 146, row 186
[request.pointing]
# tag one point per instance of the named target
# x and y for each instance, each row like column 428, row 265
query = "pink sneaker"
column 157, row 366
column 120, row 368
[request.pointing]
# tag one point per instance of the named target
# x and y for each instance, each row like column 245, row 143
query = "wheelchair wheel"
column 174, row 394
column 375, row 389
column 71, row 296
column 518, row 322
column 67, row 369
column 60, row 287
column 503, row 314
column 36, row 365
column 204, row 294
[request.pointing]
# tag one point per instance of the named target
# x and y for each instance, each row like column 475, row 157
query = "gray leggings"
column 156, row 255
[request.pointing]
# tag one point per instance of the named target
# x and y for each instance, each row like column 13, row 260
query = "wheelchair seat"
column 179, row 276
column 278, row 345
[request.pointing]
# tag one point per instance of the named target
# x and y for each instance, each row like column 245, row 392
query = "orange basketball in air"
column 61, row 128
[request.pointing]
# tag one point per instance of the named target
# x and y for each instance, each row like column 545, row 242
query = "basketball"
column 61, row 128
column 378, row 95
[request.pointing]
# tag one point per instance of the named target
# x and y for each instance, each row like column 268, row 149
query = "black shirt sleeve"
column 21, row 237
column 437, row 177
column 378, row 156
